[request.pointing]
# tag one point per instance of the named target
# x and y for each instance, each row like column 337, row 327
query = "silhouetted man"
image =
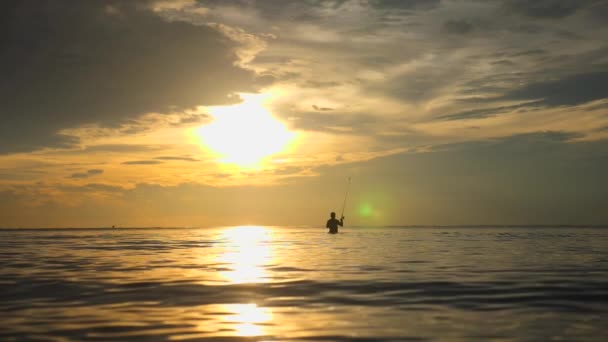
column 333, row 223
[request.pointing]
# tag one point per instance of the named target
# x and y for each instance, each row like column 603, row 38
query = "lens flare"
column 372, row 207
column 365, row 210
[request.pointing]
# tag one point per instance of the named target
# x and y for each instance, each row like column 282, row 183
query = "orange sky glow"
column 187, row 113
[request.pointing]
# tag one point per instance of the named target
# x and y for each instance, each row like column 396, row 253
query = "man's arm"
column 341, row 222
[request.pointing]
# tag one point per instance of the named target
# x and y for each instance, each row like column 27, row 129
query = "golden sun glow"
column 245, row 134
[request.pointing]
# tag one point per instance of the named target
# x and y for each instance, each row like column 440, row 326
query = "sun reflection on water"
column 248, row 318
column 246, row 254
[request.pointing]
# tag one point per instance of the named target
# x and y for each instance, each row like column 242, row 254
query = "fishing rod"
column 345, row 196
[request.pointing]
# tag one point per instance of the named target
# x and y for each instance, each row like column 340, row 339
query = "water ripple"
column 299, row 285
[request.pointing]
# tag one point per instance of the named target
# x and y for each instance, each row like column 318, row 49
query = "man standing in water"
column 333, row 223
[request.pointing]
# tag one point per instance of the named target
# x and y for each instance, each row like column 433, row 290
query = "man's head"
column 333, row 215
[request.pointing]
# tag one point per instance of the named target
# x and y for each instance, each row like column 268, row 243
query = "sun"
column 246, row 133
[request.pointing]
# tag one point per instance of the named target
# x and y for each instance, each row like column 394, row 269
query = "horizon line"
column 561, row 225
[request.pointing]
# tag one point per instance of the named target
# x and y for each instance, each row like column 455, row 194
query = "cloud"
column 379, row 65
column 458, row 26
column 490, row 112
column 77, row 63
column 404, row 4
column 178, row 158
column 191, row 119
column 530, row 144
column 291, row 171
column 89, row 173
column 321, row 84
column 554, row 9
column 322, row 109
column 103, row 149
column 142, row 162
column 25, row 138
column 337, row 123
column 568, row 91
column 602, row 129
column 19, row 174
column 91, row 187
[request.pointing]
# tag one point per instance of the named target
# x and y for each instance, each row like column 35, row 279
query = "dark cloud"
column 405, row 4
column 19, row 174
column 177, row 158
column 272, row 10
column 290, row 170
column 547, row 136
column 221, row 175
column 92, row 187
column 530, row 52
column 109, row 149
column 321, row 84
column 598, row 106
column 87, row 174
column 489, row 88
column 336, row 123
column 134, row 130
column 504, row 62
column 526, row 143
column 422, row 84
column 457, row 26
column 568, row 91
column 119, row 148
column 191, row 119
column 263, row 59
column 67, row 63
column 547, row 8
column 489, row 112
column 142, row 162
column 598, row 12
column 322, row 109
column 25, row 138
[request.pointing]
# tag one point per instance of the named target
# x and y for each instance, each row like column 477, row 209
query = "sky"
column 233, row 112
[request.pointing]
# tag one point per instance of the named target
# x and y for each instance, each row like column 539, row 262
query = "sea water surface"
column 301, row 284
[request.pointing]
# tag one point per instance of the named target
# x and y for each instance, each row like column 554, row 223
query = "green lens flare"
column 366, row 210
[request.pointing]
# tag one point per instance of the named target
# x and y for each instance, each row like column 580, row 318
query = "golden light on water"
column 245, row 134
column 248, row 319
column 247, row 254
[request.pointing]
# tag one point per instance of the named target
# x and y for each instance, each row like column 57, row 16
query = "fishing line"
column 345, row 196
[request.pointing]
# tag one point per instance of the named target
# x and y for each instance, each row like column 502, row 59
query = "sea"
column 262, row 283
